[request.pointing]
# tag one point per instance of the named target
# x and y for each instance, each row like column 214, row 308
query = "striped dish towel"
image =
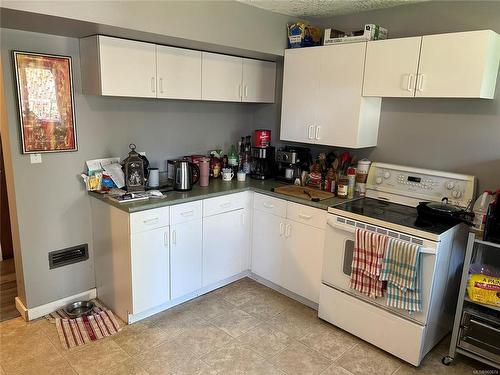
column 401, row 270
column 369, row 248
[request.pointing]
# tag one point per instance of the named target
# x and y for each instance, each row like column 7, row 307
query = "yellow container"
column 484, row 289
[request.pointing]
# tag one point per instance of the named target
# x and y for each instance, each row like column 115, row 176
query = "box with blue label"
column 303, row 35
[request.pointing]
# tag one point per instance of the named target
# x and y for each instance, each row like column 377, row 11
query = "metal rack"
column 464, row 300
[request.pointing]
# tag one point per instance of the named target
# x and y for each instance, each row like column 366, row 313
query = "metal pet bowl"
column 77, row 309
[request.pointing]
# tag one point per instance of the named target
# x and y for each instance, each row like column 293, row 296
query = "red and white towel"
column 369, row 248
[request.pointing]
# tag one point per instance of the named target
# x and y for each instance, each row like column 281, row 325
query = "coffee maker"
column 291, row 161
column 262, row 162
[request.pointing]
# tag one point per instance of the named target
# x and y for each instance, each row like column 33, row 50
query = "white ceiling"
column 324, row 8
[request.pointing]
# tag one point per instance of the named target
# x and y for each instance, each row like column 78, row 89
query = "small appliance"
column 262, row 162
column 186, row 174
column 291, row 161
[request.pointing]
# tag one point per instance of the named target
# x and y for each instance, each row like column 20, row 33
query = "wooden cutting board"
column 298, row 192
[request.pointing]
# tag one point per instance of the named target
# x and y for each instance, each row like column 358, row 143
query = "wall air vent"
column 70, row 255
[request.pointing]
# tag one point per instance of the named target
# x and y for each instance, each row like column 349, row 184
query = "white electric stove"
column 393, row 192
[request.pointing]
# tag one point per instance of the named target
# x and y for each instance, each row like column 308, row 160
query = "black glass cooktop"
column 393, row 213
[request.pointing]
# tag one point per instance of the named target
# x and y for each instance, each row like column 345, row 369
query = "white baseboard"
column 284, row 291
column 39, row 311
column 132, row 318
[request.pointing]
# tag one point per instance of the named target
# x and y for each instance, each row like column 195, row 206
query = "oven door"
column 339, row 247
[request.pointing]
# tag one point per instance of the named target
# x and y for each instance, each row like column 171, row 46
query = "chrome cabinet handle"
column 288, row 230
column 317, row 133
column 310, row 131
column 420, row 82
column 161, row 85
column 410, row 80
column 151, row 221
column 187, row 213
column 165, row 239
column 304, row 216
column 268, row 205
column 282, row 229
column 174, row 237
column 225, row 205
column 153, row 83
column 246, row 91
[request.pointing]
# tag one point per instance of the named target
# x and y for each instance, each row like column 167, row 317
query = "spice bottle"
column 351, row 176
column 342, row 187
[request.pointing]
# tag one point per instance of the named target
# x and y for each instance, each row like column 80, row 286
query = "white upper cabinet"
column 118, row 67
column 121, row 67
column 259, row 81
column 178, row 73
column 300, row 94
column 454, row 65
column 459, row 65
column 322, row 97
column 391, row 67
column 221, row 77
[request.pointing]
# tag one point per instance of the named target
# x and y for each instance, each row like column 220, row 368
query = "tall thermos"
column 204, row 165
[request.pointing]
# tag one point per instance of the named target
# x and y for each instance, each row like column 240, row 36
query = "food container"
column 303, row 35
column 262, row 138
column 343, row 187
column 369, row 32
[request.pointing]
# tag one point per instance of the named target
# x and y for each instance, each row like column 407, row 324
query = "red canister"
column 262, row 138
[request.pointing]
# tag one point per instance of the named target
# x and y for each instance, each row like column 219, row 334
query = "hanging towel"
column 401, row 270
column 369, row 248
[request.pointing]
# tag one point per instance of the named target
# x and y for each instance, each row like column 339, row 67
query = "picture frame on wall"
column 46, row 102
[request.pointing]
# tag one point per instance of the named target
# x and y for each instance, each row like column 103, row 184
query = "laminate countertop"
column 216, row 188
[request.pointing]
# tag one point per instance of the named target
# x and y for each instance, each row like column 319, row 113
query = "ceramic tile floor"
column 243, row 328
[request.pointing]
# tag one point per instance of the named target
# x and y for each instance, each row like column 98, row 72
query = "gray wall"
column 53, row 208
column 459, row 135
column 220, row 23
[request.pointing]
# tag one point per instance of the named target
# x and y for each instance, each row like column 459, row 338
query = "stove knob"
column 387, row 174
column 450, row 185
column 378, row 180
column 456, row 194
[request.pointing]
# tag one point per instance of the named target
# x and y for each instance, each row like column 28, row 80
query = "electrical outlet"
column 35, row 158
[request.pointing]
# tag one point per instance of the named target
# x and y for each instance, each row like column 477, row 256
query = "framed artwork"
column 46, row 105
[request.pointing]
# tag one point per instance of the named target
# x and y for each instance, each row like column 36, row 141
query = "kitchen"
column 411, row 132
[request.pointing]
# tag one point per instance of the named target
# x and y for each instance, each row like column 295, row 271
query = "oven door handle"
column 352, row 229
column 474, row 321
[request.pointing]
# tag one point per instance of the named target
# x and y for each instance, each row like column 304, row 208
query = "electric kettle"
column 186, row 174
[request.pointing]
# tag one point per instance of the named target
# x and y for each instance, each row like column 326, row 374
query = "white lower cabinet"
column 289, row 253
column 303, row 260
column 268, row 245
column 226, row 240
column 150, row 269
column 185, row 258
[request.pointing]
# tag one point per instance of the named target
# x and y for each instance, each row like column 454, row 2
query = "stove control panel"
column 408, row 185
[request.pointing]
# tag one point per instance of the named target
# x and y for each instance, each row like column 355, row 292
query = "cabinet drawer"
column 269, row 204
column 149, row 219
column 307, row 215
column 231, row 202
column 180, row 213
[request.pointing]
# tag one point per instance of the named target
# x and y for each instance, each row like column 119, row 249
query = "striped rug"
column 98, row 324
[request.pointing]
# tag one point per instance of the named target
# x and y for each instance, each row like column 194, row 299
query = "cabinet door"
column 267, row 246
column 301, row 78
column 459, row 65
column 178, row 73
column 127, row 68
column 339, row 99
column 185, row 258
column 391, row 67
column 221, row 77
column 259, row 79
column 303, row 259
column 224, row 236
column 150, row 269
